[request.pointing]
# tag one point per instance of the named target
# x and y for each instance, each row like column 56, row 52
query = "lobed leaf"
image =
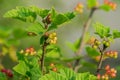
column 102, row 30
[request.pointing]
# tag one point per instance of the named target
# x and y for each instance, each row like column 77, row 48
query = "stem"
column 101, row 59
column 85, row 29
column 43, row 56
column 44, row 49
column 100, row 63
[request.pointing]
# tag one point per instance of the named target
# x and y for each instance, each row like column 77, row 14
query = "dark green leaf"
column 70, row 15
column 42, row 39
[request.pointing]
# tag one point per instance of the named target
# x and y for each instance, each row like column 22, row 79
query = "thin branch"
column 101, row 59
column 43, row 56
column 85, row 29
column 44, row 49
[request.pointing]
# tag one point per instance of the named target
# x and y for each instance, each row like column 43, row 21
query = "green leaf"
column 92, row 52
column 36, row 29
column 53, row 76
column 116, row 34
column 91, row 3
column 71, row 46
column 21, row 68
column 60, row 19
column 105, row 7
column 85, row 76
column 68, row 73
column 52, row 27
column 53, row 13
column 4, row 32
column 22, row 13
column 102, row 30
column 2, row 76
column 34, row 71
column 53, row 51
column 42, row 39
column 70, row 15
column 19, row 33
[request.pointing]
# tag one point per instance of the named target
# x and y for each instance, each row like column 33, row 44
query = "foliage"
column 67, row 74
column 47, row 62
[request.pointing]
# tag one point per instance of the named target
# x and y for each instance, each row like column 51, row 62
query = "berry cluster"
column 53, row 67
column 28, row 51
column 52, row 39
column 109, row 72
column 106, row 43
column 96, row 44
column 79, row 8
column 112, row 54
column 7, row 72
column 111, row 4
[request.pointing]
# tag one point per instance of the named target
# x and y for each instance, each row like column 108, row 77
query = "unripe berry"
column 54, row 34
column 22, row 51
column 107, row 44
column 95, row 46
column 52, row 65
column 103, row 42
column 103, row 77
column 97, row 42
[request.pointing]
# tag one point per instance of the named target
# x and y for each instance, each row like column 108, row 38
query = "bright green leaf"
column 21, row 68
column 22, row 13
column 92, row 52
column 85, row 76
column 102, row 30
column 71, row 46
column 53, row 51
column 116, row 34
column 68, row 73
column 36, row 28
column 2, row 76
column 91, row 3
column 105, row 7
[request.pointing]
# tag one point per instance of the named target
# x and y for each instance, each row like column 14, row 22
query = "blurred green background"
column 67, row 32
